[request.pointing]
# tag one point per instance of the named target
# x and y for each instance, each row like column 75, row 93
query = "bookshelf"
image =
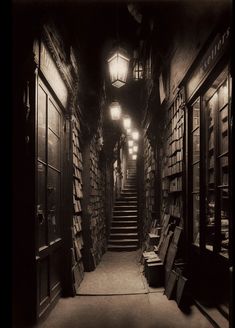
column 172, row 164
column 149, row 186
column 94, row 203
column 77, row 237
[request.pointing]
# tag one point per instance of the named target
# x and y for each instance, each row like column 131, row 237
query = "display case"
column 209, row 159
column 195, row 167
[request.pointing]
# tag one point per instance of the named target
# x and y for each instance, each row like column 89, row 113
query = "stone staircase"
column 124, row 227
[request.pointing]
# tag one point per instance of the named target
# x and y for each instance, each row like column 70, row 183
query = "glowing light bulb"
column 115, row 111
column 127, row 122
column 135, row 149
column 135, row 135
column 134, row 156
column 130, row 143
column 118, row 69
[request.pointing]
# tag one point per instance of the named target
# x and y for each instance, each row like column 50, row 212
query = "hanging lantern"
column 128, row 131
column 130, row 143
column 135, row 149
column 115, row 111
column 134, row 156
column 130, row 151
column 135, row 135
column 127, row 122
column 118, row 69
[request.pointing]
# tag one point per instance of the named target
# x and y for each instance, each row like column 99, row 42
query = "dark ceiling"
column 92, row 27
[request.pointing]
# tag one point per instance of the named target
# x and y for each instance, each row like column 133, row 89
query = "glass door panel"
column 53, row 150
column 53, row 192
column 196, row 219
column 223, row 163
column 41, row 207
column 224, row 217
column 211, row 108
column 41, row 122
column 195, row 169
column 196, row 145
column 49, row 146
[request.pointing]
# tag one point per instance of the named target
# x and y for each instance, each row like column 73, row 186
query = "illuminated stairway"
column 124, row 228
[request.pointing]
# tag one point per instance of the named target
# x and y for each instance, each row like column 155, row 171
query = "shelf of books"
column 97, row 202
column 77, row 263
column 149, row 187
column 172, row 162
column 217, row 168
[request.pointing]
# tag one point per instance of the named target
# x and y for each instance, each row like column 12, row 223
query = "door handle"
column 41, row 217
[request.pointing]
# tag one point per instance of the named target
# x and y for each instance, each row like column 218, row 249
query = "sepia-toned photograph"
column 121, row 164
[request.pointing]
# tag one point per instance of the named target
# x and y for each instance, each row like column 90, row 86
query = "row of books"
column 149, row 182
column 77, row 264
column 176, row 184
column 177, row 106
column 173, row 169
column 176, row 146
column 96, row 201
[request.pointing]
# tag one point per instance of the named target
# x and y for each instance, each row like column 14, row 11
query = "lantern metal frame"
column 118, row 64
column 115, row 116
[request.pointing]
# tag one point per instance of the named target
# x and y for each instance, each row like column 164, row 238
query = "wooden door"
column 50, row 139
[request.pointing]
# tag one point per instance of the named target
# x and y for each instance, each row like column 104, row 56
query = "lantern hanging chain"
column 117, row 23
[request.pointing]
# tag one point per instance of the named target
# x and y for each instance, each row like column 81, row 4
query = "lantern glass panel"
column 118, row 69
column 135, row 149
column 127, row 123
column 135, row 135
column 115, row 111
column 130, row 143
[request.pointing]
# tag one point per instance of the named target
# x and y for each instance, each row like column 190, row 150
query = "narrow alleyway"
column 122, row 164
column 103, row 300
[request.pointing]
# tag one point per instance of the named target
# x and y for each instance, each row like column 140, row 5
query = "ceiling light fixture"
column 130, row 143
column 118, row 68
column 127, row 122
column 135, row 149
column 135, row 135
column 115, row 111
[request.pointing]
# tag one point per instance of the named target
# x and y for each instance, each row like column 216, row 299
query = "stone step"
column 122, row 248
column 129, row 194
column 125, row 213
column 125, row 206
column 127, row 217
column 127, row 198
column 124, row 235
column 126, row 203
column 123, row 223
column 126, row 189
column 123, row 242
column 119, row 200
column 123, row 229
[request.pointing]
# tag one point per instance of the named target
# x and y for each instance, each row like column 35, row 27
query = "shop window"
column 195, row 169
column 209, row 181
